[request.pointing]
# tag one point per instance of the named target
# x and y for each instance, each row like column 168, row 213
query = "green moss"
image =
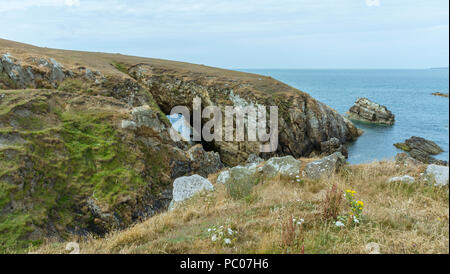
column 6, row 82
column 82, row 156
column 75, row 85
column 120, row 67
column 402, row 146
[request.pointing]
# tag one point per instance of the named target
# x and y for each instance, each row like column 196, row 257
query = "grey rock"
column 238, row 173
column 144, row 116
column 368, row 111
column 333, row 145
column 404, row 179
column 204, row 162
column 437, row 175
column 186, row 187
column 253, row 158
column 324, row 167
column 285, row 166
column 130, row 125
column 424, row 145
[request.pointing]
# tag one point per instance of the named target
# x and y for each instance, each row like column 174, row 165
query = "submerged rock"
column 367, row 111
column 324, row 167
column 186, row 187
column 438, row 175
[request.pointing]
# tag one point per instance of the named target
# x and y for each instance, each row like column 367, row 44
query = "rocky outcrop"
column 421, row 150
column 367, row 111
column 89, row 137
column 186, row 187
column 324, row 167
column 438, row 175
column 440, row 94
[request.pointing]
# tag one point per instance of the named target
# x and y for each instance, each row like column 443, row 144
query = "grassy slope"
column 401, row 218
column 69, row 154
column 110, row 64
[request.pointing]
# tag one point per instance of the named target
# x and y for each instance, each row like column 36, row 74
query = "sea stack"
column 365, row 110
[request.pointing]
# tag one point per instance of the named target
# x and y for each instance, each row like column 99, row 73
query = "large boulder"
column 286, row 166
column 186, row 187
column 324, row 167
column 238, row 173
column 367, row 111
column 437, row 175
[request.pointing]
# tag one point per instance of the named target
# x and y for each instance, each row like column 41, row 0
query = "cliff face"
column 84, row 143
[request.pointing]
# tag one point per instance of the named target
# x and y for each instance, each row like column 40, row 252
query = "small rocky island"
column 421, row 149
column 365, row 110
column 440, row 94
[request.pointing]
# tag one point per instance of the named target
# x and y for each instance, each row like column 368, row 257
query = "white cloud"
column 373, row 3
column 17, row 5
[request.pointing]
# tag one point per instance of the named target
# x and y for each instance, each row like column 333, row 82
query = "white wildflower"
column 339, row 224
column 230, row 231
column 214, row 238
column 227, row 241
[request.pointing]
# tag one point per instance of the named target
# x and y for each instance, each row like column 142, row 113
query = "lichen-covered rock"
column 254, row 159
column 324, row 167
column 238, row 173
column 438, row 175
column 286, row 166
column 368, row 111
column 186, row 187
column 406, row 160
column 404, row 179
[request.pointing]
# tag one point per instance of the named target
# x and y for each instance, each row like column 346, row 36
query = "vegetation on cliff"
column 283, row 215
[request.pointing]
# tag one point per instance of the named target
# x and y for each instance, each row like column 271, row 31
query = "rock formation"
column 421, row 150
column 440, row 94
column 84, row 142
column 367, row 111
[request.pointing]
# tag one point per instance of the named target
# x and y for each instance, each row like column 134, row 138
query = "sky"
column 315, row 34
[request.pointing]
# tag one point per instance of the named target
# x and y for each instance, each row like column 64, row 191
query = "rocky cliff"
column 84, row 144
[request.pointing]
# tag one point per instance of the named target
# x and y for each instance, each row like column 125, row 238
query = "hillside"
column 84, row 141
column 396, row 218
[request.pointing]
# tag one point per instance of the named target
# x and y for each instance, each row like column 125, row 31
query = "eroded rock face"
column 421, row 150
column 304, row 123
column 367, row 111
column 438, row 175
column 186, row 187
column 324, row 167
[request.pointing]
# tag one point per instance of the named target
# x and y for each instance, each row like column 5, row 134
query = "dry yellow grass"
column 400, row 218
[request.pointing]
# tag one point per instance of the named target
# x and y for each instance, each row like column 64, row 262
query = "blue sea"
column 407, row 93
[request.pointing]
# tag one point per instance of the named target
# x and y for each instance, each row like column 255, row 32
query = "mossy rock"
column 402, row 146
